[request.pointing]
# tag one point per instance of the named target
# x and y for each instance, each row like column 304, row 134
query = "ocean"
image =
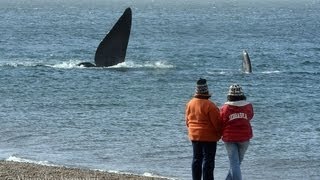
column 129, row 118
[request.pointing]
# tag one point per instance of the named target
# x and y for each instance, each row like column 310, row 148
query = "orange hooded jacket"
column 203, row 120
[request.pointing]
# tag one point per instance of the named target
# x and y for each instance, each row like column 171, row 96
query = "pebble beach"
column 28, row 171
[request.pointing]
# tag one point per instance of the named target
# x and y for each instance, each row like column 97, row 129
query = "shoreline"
column 12, row 170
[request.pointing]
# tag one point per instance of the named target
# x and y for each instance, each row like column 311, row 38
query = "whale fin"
column 246, row 62
column 112, row 49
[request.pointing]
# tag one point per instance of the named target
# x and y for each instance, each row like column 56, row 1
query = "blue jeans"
column 203, row 160
column 236, row 151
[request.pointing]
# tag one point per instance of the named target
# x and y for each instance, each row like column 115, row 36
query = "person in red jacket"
column 236, row 115
column 204, row 130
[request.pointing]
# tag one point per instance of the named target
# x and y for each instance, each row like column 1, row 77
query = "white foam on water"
column 67, row 65
column 271, row 72
column 24, row 160
column 147, row 174
column 46, row 163
column 153, row 65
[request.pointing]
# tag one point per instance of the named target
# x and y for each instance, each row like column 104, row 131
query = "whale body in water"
column 113, row 48
column 246, row 62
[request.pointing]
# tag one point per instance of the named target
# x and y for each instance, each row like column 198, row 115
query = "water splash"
column 271, row 72
column 151, row 65
column 67, row 65
column 74, row 64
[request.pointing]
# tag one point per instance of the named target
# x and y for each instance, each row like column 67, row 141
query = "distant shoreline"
column 11, row 170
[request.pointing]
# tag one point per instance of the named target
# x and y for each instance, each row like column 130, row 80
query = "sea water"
column 130, row 117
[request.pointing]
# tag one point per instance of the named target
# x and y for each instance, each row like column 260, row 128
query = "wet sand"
column 27, row 171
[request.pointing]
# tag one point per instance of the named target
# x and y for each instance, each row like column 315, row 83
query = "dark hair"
column 236, row 98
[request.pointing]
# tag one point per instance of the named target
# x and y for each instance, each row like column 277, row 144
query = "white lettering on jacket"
column 237, row 116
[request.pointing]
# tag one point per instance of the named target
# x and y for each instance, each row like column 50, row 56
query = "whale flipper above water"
column 246, row 62
column 112, row 49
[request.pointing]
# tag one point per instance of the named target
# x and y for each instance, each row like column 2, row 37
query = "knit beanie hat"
column 202, row 87
column 235, row 90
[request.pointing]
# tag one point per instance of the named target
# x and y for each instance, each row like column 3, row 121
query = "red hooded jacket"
column 236, row 117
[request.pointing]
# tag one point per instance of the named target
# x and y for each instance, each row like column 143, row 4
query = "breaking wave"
column 74, row 64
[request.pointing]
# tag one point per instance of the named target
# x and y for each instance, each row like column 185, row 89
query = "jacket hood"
column 237, row 103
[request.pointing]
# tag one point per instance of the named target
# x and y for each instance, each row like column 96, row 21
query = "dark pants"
column 203, row 160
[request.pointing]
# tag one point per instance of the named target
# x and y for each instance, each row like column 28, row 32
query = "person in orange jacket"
column 204, row 131
column 236, row 115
